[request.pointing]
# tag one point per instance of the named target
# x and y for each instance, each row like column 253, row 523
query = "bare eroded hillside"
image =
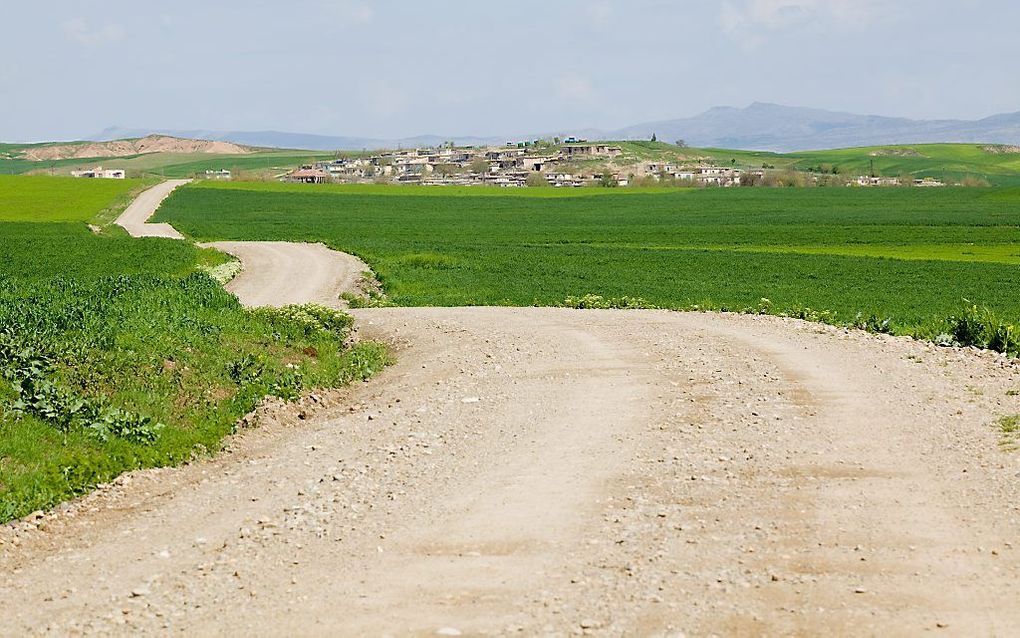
column 126, row 148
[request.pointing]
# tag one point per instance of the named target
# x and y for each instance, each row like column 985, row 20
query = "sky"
column 398, row 68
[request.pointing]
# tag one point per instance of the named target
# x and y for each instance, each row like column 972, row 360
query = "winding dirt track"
column 279, row 273
column 276, row 273
column 135, row 218
column 552, row 471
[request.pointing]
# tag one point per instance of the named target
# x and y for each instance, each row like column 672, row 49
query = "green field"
column 912, row 255
column 119, row 353
column 46, row 199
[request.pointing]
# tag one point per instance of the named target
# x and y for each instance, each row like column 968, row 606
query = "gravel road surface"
column 275, row 273
column 559, row 472
column 135, row 218
column 278, row 273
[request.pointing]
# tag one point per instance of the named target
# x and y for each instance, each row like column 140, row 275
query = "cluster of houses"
column 701, row 174
column 575, row 163
column 516, row 165
column 100, row 173
column 498, row 166
column 866, row 180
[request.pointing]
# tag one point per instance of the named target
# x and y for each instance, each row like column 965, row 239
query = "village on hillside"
column 569, row 163
column 573, row 163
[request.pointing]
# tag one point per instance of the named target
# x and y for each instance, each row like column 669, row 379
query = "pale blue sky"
column 390, row 68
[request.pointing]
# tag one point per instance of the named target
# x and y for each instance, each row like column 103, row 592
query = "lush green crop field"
column 61, row 199
column 116, row 354
column 34, row 251
column 910, row 254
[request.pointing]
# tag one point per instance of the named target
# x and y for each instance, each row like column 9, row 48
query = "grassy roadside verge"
column 119, row 354
column 974, row 326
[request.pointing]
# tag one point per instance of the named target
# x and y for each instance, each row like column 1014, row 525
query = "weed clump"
column 981, row 328
column 1010, row 424
column 598, row 302
column 224, row 273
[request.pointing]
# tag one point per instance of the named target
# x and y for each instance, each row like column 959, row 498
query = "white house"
column 99, row 173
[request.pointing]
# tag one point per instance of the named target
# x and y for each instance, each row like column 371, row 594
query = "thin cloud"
column 6, row 71
column 385, row 98
column 574, row 88
column 358, row 13
column 750, row 22
column 600, row 12
column 78, row 30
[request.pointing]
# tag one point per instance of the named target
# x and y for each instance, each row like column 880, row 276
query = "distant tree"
column 608, row 180
column 536, row 180
column 655, row 137
column 750, row 179
column 479, row 166
column 556, row 141
column 681, row 143
column 447, row 169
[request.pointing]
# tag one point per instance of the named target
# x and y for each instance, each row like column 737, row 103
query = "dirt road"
column 278, row 273
column 551, row 471
column 275, row 273
column 135, row 218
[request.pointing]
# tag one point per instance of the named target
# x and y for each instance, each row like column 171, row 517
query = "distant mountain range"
column 761, row 126
column 771, row 127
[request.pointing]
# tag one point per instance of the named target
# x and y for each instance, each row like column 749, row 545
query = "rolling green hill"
column 952, row 162
column 997, row 164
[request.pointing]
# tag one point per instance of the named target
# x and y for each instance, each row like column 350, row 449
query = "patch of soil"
column 1001, row 149
column 896, row 152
